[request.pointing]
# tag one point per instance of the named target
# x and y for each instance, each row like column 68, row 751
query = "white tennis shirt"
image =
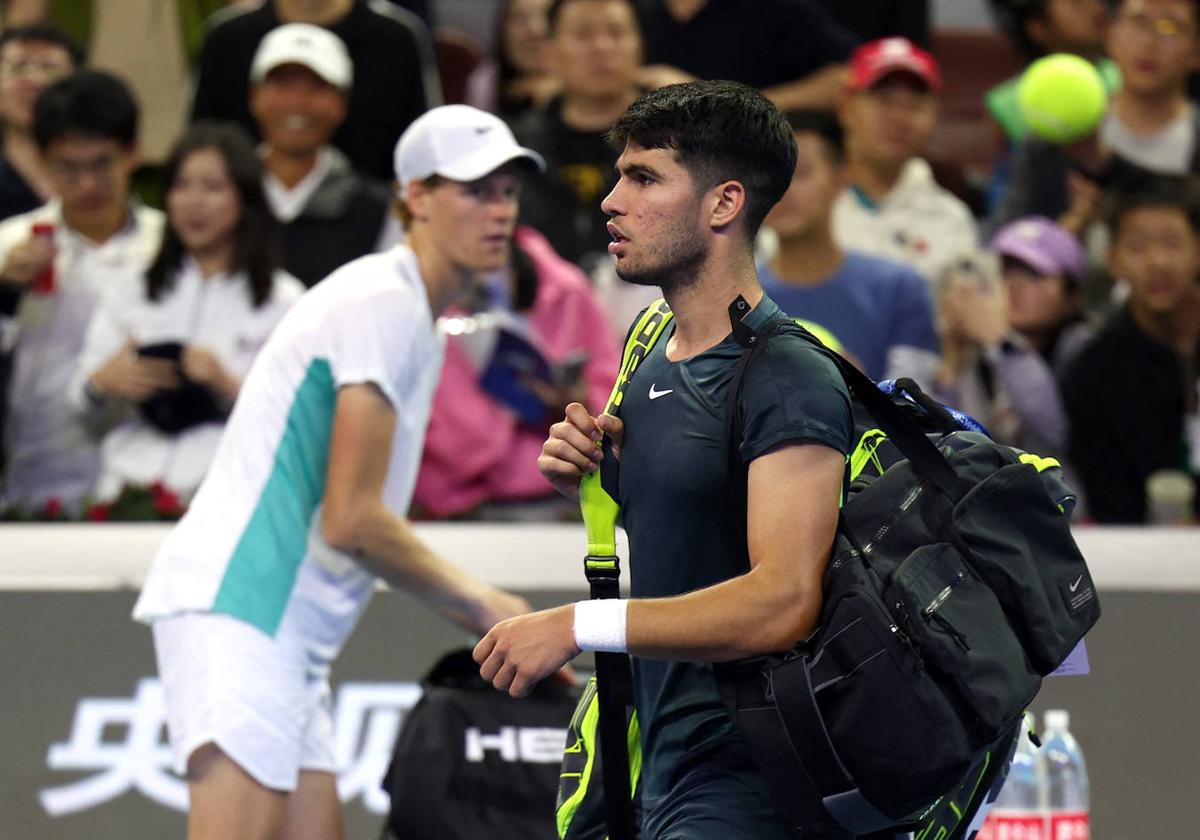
column 255, row 521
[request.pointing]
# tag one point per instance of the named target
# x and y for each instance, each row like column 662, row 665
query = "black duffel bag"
column 954, row 587
column 472, row 762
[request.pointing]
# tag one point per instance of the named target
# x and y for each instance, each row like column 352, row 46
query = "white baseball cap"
column 457, row 142
column 310, row 46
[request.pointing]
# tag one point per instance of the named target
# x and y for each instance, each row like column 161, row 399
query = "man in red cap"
column 893, row 207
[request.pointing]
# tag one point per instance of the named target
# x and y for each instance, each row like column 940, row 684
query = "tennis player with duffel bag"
column 953, row 588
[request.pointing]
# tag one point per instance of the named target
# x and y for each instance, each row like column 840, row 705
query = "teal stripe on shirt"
column 262, row 571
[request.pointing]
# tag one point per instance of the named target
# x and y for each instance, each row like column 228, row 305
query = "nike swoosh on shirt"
column 1075, row 585
column 655, row 394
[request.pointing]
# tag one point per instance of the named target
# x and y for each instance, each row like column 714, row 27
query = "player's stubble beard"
column 673, row 267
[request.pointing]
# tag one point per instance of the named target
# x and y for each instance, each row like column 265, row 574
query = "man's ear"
column 416, row 198
column 727, row 204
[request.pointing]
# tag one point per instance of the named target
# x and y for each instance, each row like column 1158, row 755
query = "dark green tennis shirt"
column 679, row 514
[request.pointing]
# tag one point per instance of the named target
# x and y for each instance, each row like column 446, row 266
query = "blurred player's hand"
column 573, row 447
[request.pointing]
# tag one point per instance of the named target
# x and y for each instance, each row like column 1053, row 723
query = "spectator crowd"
column 163, row 204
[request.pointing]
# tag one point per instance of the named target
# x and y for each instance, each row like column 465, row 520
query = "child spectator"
column 54, row 263
column 176, row 341
column 300, row 89
column 596, row 51
column 893, row 207
column 881, row 310
column 497, row 476
column 1131, row 393
column 395, row 75
column 1151, row 122
column 1007, row 340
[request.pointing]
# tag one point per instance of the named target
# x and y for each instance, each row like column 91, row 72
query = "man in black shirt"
column 702, row 163
column 871, row 20
column 596, row 50
column 791, row 50
column 329, row 213
column 1131, row 393
column 395, row 77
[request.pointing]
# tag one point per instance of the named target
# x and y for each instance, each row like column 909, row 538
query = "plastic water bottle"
column 1066, row 780
column 1020, row 809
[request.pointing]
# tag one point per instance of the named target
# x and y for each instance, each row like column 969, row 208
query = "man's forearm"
column 748, row 615
column 387, row 546
column 818, row 90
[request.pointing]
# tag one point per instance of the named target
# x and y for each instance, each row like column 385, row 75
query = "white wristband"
column 600, row 625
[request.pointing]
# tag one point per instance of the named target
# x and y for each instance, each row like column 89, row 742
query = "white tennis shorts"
column 261, row 699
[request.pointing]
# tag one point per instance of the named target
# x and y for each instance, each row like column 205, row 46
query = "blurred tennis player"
column 254, row 592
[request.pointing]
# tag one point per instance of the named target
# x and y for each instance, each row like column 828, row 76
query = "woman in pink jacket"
column 492, row 411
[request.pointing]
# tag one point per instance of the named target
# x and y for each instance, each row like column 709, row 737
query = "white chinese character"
column 366, row 722
column 142, row 760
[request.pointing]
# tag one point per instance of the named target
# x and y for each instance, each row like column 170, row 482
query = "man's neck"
column 1178, row 328
column 808, row 259
column 875, row 180
column 100, row 226
column 290, row 169
column 591, row 115
column 22, row 152
column 318, row 14
column 685, row 10
column 702, row 307
column 1145, row 115
column 444, row 281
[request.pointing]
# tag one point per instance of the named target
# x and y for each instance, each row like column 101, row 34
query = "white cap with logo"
column 309, row 46
column 457, row 142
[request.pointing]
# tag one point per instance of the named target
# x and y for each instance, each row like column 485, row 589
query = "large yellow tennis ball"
column 1062, row 97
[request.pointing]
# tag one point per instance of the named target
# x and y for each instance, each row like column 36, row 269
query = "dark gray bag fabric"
column 954, row 587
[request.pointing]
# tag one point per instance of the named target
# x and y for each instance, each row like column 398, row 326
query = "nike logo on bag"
column 1075, row 585
column 655, row 394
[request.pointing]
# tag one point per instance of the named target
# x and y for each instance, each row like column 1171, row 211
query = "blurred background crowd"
column 174, row 174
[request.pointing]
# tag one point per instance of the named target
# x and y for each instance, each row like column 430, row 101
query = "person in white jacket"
column 892, row 207
column 55, row 263
column 167, row 349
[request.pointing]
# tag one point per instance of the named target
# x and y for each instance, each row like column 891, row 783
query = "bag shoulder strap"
column 614, row 681
column 600, row 510
column 907, row 436
column 644, row 334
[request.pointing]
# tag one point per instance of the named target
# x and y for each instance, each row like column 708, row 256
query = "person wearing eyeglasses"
column 1151, row 125
column 1151, row 121
column 54, row 263
column 31, row 57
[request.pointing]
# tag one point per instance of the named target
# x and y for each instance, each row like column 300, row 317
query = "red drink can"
column 43, row 284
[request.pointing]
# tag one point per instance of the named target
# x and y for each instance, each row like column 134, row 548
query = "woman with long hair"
column 167, row 351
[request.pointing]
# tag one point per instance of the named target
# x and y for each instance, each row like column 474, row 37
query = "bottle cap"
column 1057, row 719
